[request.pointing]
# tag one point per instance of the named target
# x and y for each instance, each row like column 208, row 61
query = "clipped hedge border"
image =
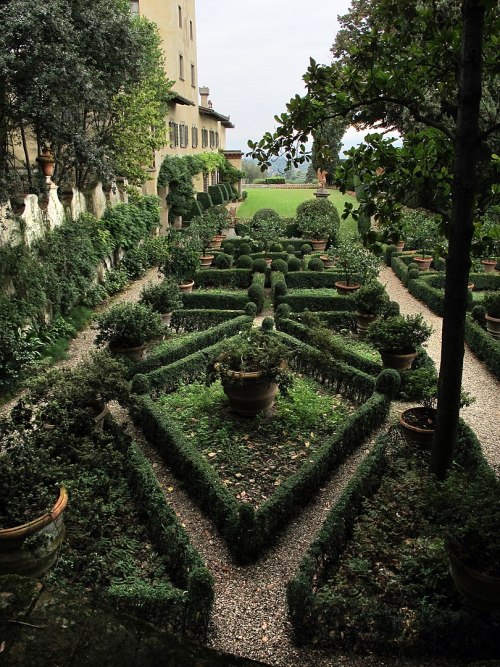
column 248, row 532
column 170, row 351
column 484, row 346
column 335, row 319
column 316, row 299
column 215, row 300
column 240, row 278
column 329, row 545
column 201, row 319
column 313, row 279
column 185, row 606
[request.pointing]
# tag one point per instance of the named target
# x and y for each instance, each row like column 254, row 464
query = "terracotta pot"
column 400, row 245
column 206, row 260
column 328, row 263
column 344, row 288
column 424, row 263
column 186, row 286
column 401, row 362
column 493, row 326
column 135, row 354
column 46, row 162
column 489, row 265
column 318, row 244
column 166, row 318
column 415, row 435
column 480, row 590
column 15, row 559
column 363, row 321
column 216, row 241
column 248, row 393
column 470, row 286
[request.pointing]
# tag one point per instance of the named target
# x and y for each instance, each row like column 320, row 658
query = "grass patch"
column 253, row 457
column 285, row 202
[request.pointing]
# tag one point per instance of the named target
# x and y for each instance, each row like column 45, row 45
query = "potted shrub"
column 163, row 298
column 491, row 302
column 473, row 537
column 424, row 232
column 354, row 260
column 203, row 228
column 182, row 261
column 318, row 221
column 220, row 217
column 252, row 368
column 486, row 241
column 267, row 227
column 371, row 301
column 397, row 339
column 127, row 327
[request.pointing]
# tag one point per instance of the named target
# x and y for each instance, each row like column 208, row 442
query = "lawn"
column 285, row 202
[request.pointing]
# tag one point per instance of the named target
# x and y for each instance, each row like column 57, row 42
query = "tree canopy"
column 85, row 79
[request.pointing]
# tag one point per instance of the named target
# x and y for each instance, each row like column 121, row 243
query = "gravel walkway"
column 250, row 617
column 484, row 414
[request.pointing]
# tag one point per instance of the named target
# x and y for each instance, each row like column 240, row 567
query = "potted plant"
column 472, row 537
column 397, row 339
column 267, row 227
column 424, row 232
column 204, row 228
column 221, row 218
column 354, row 260
column 491, row 301
column 127, row 327
column 318, row 221
column 164, row 298
column 46, row 161
column 182, row 261
column 486, row 241
column 251, row 369
column 371, row 301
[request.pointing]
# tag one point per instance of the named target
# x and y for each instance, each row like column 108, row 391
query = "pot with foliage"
column 424, row 232
column 163, row 298
column 183, row 260
column 252, row 369
column 127, row 327
column 486, row 240
column 473, row 537
column 267, row 227
column 371, row 301
column 491, row 302
column 203, row 229
column 354, row 260
column 318, row 221
column 397, row 339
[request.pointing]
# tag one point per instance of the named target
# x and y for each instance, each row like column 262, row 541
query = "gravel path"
column 484, row 414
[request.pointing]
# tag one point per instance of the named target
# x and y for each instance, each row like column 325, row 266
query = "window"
column 193, row 82
column 204, row 138
column 212, row 139
column 174, row 134
column 134, row 7
column 214, row 177
column 181, row 66
column 191, row 30
column 183, row 135
column 180, row 16
column 216, row 140
column 194, row 136
column 205, row 182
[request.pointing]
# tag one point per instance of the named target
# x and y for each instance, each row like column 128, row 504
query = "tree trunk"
column 461, row 229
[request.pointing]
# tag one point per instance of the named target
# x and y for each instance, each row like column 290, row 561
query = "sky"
column 252, row 55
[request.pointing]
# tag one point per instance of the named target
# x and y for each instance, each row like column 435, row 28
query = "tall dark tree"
column 327, row 142
column 431, row 67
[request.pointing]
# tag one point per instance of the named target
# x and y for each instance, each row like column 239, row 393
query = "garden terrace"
column 376, row 577
column 246, row 529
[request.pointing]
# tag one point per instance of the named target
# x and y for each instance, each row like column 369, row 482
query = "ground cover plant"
column 377, row 578
column 285, row 202
column 254, row 457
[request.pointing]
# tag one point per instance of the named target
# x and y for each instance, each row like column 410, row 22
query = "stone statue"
column 322, row 178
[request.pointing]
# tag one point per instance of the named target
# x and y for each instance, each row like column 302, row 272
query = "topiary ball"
column 412, row 266
column 244, row 249
column 251, row 309
column 228, row 248
column 256, row 294
column 257, row 246
column 316, row 264
column 267, row 324
column 413, row 274
column 279, row 265
column 260, row 265
column 388, row 382
column 294, row 264
column 223, row 261
column 290, row 249
column 478, row 313
column 276, row 247
column 283, row 311
column 244, row 262
column 306, row 249
column 392, row 309
column 140, row 384
column 280, row 289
